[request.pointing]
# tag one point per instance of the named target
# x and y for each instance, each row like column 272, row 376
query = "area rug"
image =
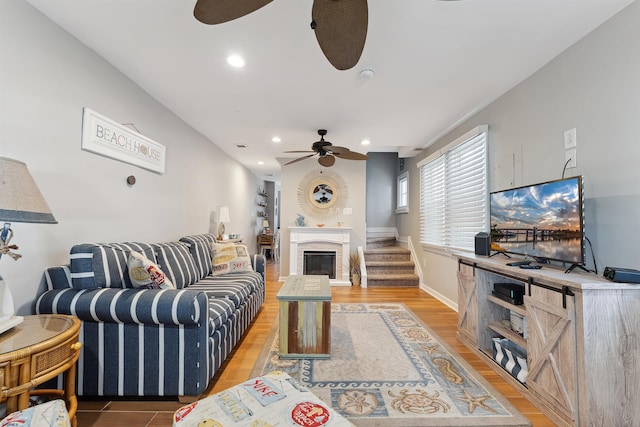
column 389, row 369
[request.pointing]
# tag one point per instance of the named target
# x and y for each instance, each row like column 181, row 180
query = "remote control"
column 532, row 267
column 517, row 263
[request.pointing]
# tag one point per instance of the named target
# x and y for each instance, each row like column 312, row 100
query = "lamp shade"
column 265, row 223
column 20, row 197
column 223, row 214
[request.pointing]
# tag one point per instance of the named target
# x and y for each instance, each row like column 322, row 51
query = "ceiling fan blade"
column 327, row 161
column 351, row 155
column 337, row 150
column 300, row 158
column 341, row 30
column 219, row 11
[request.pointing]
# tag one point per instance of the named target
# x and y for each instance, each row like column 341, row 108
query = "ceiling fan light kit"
column 340, row 26
column 327, row 152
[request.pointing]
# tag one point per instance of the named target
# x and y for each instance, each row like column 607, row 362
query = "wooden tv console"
column 582, row 338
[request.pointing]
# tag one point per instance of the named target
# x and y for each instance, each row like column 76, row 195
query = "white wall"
column 352, row 172
column 593, row 86
column 46, row 78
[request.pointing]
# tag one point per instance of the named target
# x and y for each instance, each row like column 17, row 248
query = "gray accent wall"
column 46, row 78
column 381, row 190
column 594, row 86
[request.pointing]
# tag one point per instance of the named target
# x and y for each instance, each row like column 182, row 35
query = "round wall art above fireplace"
column 322, row 193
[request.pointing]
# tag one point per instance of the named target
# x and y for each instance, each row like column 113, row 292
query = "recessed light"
column 365, row 142
column 235, row 61
column 276, row 139
column 261, row 162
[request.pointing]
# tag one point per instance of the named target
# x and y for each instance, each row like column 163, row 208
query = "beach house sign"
column 104, row 136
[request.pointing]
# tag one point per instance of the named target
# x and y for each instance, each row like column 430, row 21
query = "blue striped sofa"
column 152, row 342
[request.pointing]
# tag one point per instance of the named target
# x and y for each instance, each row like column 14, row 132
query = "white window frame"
column 403, row 188
column 454, row 204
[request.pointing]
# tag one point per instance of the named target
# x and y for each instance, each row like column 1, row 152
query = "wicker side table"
column 37, row 350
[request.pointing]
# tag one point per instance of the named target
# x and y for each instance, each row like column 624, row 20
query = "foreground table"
column 305, row 317
column 37, row 350
column 274, row 399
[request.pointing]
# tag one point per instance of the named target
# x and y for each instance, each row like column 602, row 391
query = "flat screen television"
column 544, row 221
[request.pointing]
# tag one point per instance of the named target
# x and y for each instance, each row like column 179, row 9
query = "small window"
column 403, row 193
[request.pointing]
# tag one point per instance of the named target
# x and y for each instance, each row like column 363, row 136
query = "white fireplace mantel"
column 336, row 239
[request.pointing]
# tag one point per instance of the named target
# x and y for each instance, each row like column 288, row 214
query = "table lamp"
column 265, row 226
column 223, row 216
column 20, row 201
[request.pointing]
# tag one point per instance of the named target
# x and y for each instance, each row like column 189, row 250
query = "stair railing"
column 414, row 258
column 363, row 268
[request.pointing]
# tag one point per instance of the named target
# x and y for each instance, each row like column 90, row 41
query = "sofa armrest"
column 142, row 306
column 58, row 277
column 258, row 263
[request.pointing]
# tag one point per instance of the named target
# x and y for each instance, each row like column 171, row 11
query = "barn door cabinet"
column 582, row 338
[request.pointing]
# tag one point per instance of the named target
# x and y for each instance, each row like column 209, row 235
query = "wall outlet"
column 570, row 139
column 570, row 158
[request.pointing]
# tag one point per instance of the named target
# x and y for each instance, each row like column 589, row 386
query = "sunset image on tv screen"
column 542, row 220
column 553, row 206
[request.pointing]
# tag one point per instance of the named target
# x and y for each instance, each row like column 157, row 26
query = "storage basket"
column 511, row 357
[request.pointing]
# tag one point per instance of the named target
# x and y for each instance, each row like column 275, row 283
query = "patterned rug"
column 389, row 369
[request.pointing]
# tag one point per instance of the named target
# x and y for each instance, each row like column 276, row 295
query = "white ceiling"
column 435, row 63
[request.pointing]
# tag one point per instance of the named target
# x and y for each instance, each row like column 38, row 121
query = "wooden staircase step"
column 390, row 267
column 386, row 256
column 393, row 280
column 387, row 249
column 386, row 263
column 381, row 242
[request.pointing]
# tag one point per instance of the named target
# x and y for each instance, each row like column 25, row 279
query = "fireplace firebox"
column 319, row 263
column 321, row 239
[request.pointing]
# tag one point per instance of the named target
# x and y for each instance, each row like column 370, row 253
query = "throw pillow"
column 144, row 273
column 229, row 258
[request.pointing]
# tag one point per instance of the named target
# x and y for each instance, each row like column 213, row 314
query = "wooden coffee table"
column 305, row 317
column 38, row 350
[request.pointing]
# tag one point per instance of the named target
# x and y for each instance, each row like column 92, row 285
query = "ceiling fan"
column 327, row 152
column 340, row 25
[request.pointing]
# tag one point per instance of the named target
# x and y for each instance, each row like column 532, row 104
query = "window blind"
column 453, row 193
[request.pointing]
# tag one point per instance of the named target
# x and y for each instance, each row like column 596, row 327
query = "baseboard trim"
column 437, row 295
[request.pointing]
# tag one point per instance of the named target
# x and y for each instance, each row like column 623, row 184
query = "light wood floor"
column 443, row 320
